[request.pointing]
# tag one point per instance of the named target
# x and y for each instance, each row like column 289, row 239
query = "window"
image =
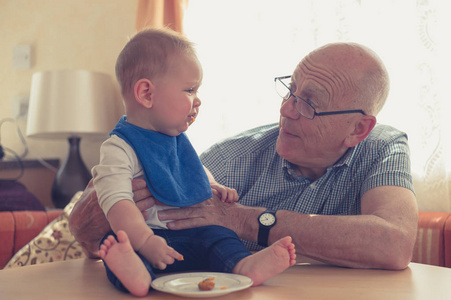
column 243, row 45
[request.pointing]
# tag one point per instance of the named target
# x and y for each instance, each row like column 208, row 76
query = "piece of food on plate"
column 207, row 284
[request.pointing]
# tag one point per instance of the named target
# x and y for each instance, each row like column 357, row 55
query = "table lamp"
column 71, row 104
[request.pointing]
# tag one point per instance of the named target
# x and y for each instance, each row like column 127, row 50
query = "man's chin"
column 286, row 149
column 280, row 148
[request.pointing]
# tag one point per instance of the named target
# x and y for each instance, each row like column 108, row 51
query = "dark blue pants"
column 212, row 248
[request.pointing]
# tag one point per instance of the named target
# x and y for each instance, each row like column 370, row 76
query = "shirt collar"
column 344, row 161
column 346, row 158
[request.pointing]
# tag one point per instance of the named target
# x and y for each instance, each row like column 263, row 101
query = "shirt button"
column 313, row 185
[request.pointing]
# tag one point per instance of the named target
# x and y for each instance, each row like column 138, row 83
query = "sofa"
column 32, row 237
column 433, row 244
column 18, row 228
column 35, row 237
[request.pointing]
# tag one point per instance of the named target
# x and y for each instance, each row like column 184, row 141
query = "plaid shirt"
column 249, row 163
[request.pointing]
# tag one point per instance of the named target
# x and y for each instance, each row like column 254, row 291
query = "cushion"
column 14, row 196
column 54, row 243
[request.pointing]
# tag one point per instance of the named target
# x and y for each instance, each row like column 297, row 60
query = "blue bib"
column 173, row 171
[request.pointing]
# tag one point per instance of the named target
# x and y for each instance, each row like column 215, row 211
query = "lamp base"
column 73, row 176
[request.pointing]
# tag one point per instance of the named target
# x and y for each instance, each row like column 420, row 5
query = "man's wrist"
column 266, row 221
column 246, row 224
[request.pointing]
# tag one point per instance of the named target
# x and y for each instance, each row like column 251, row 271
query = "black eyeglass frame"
column 297, row 98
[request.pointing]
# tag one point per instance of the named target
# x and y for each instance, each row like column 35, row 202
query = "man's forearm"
column 381, row 238
column 88, row 223
column 363, row 241
column 243, row 220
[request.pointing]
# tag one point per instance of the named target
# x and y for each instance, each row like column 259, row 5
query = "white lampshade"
column 71, row 104
column 68, row 103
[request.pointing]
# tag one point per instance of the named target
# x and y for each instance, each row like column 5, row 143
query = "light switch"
column 20, row 106
column 22, row 57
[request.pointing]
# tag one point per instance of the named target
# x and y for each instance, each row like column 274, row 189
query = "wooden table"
column 86, row 279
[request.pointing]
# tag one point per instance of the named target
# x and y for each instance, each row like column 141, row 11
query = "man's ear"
column 361, row 130
column 143, row 92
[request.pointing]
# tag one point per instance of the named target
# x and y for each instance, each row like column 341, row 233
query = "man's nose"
column 288, row 109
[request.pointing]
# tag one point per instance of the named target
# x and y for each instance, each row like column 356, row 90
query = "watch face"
column 267, row 219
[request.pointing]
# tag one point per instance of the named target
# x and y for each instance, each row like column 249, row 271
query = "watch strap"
column 263, row 231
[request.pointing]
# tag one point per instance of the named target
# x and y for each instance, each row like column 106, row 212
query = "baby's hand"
column 157, row 251
column 225, row 193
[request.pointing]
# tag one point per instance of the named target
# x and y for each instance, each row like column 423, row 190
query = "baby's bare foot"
column 268, row 262
column 126, row 264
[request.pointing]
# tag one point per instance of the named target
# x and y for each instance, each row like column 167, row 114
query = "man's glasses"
column 303, row 107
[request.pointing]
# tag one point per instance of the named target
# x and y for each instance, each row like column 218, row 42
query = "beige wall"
column 64, row 34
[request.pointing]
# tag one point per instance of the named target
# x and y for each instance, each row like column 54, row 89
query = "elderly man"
column 326, row 174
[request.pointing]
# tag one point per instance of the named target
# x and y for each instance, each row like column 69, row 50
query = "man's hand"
column 234, row 216
column 142, row 196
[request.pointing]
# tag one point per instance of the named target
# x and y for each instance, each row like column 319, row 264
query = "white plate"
column 185, row 284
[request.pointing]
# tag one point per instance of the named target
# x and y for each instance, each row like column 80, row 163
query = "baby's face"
column 176, row 104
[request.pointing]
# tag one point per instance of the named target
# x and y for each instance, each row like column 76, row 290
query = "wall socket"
column 22, row 57
column 20, row 106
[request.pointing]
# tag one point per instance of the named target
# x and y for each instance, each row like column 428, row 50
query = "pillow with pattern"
column 54, row 243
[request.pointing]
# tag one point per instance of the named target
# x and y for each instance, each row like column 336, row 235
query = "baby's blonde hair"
column 147, row 55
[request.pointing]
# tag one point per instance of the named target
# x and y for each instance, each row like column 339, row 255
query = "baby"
column 160, row 76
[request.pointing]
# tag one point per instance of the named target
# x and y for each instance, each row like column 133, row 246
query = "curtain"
column 160, row 13
column 243, row 45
